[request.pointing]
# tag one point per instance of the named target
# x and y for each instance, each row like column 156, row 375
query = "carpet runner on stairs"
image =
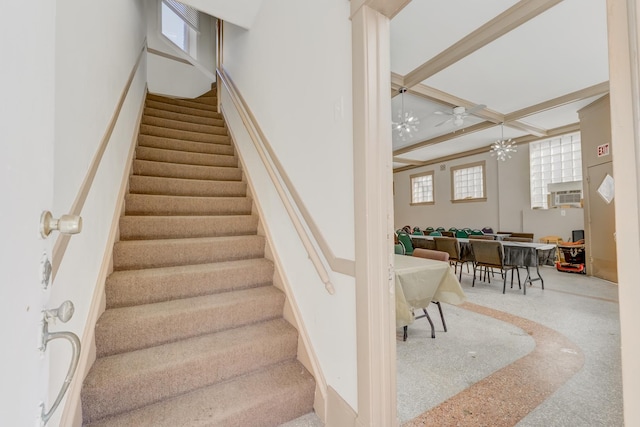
column 193, row 333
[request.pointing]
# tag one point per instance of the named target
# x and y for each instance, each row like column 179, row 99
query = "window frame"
column 454, row 169
column 433, row 192
column 190, row 33
column 562, row 173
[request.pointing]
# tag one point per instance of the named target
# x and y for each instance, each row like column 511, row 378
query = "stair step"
column 266, row 398
column 179, row 170
column 185, row 157
column 155, row 112
column 184, row 126
column 128, row 381
column 181, row 102
column 181, row 145
column 138, row 254
column 186, row 187
column 183, row 134
column 180, row 109
column 211, row 100
column 152, row 204
column 134, row 287
column 171, row 227
column 125, row 329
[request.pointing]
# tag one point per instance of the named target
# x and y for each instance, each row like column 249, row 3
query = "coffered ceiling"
column 532, row 63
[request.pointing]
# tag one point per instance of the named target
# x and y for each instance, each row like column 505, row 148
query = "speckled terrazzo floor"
column 550, row 358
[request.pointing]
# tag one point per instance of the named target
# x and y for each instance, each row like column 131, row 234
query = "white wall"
column 508, row 205
column 294, row 70
column 167, row 76
column 93, row 65
column 26, row 169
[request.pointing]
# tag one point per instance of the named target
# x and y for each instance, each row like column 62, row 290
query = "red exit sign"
column 603, row 150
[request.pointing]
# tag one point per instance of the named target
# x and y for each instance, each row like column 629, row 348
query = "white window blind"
column 190, row 15
column 551, row 161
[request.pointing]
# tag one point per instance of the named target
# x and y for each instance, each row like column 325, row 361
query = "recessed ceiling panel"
column 423, row 29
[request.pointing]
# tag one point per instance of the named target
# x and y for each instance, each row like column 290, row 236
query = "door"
column 26, row 173
column 601, row 245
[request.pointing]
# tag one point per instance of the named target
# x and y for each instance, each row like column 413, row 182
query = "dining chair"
column 524, row 235
column 405, row 239
column 440, row 229
column 487, row 230
column 451, row 246
column 481, row 237
column 518, row 239
column 438, row 256
column 476, row 232
column 490, row 254
column 436, row 233
column 462, row 234
column 398, row 248
column 448, row 233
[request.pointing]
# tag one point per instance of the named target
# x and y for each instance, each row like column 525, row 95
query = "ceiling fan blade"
column 446, row 121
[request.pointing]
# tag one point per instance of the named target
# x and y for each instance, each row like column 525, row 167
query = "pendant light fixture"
column 502, row 148
column 407, row 122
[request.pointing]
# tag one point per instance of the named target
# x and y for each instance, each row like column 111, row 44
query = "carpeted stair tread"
column 185, row 126
column 186, row 187
column 185, row 157
column 115, row 383
column 183, row 134
column 193, row 333
column 154, row 204
column 124, row 329
column 181, row 102
column 137, row 254
column 151, row 285
column 265, row 398
column 211, row 100
column 181, row 145
column 174, row 226
column 181, row 109
column 181, row 170
column 164, row 114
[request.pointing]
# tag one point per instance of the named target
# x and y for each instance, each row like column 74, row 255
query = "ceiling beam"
column 388, row 8
column 523, row 140
column 511, row 18
column 579, row 95
column 442, row 138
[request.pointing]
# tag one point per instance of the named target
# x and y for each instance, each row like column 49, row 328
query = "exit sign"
column 603, row 150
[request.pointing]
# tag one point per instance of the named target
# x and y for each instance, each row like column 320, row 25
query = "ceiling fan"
column 458, row 114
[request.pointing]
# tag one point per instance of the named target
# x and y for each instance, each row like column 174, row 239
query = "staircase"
column 193, row 333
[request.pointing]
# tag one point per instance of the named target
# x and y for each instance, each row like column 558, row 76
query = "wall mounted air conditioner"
column 565, row 194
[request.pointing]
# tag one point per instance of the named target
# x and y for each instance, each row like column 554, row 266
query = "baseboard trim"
column 72, row 411
column 338, row 412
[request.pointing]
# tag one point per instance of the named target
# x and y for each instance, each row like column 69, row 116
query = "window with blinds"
column 468, row 182
column 422, row 188
column 180, row 25
column 553, row 161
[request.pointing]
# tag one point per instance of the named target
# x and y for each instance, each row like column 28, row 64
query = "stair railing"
column 279, row 177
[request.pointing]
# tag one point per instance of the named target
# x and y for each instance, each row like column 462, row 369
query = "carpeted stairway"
column 193, row 333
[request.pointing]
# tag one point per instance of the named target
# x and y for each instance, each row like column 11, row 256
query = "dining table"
column 418, row 281
column 521, row 254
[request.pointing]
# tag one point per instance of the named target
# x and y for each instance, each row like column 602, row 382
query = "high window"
column 552, row 161
column 422, row 189
column 180, row 25
column 468, row 182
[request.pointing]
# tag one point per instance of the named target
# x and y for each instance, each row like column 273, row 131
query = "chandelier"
column 502, row 148
column 407, row 122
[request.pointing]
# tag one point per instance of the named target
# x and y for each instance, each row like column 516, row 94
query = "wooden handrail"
column 62, row 242
column 279, row 177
